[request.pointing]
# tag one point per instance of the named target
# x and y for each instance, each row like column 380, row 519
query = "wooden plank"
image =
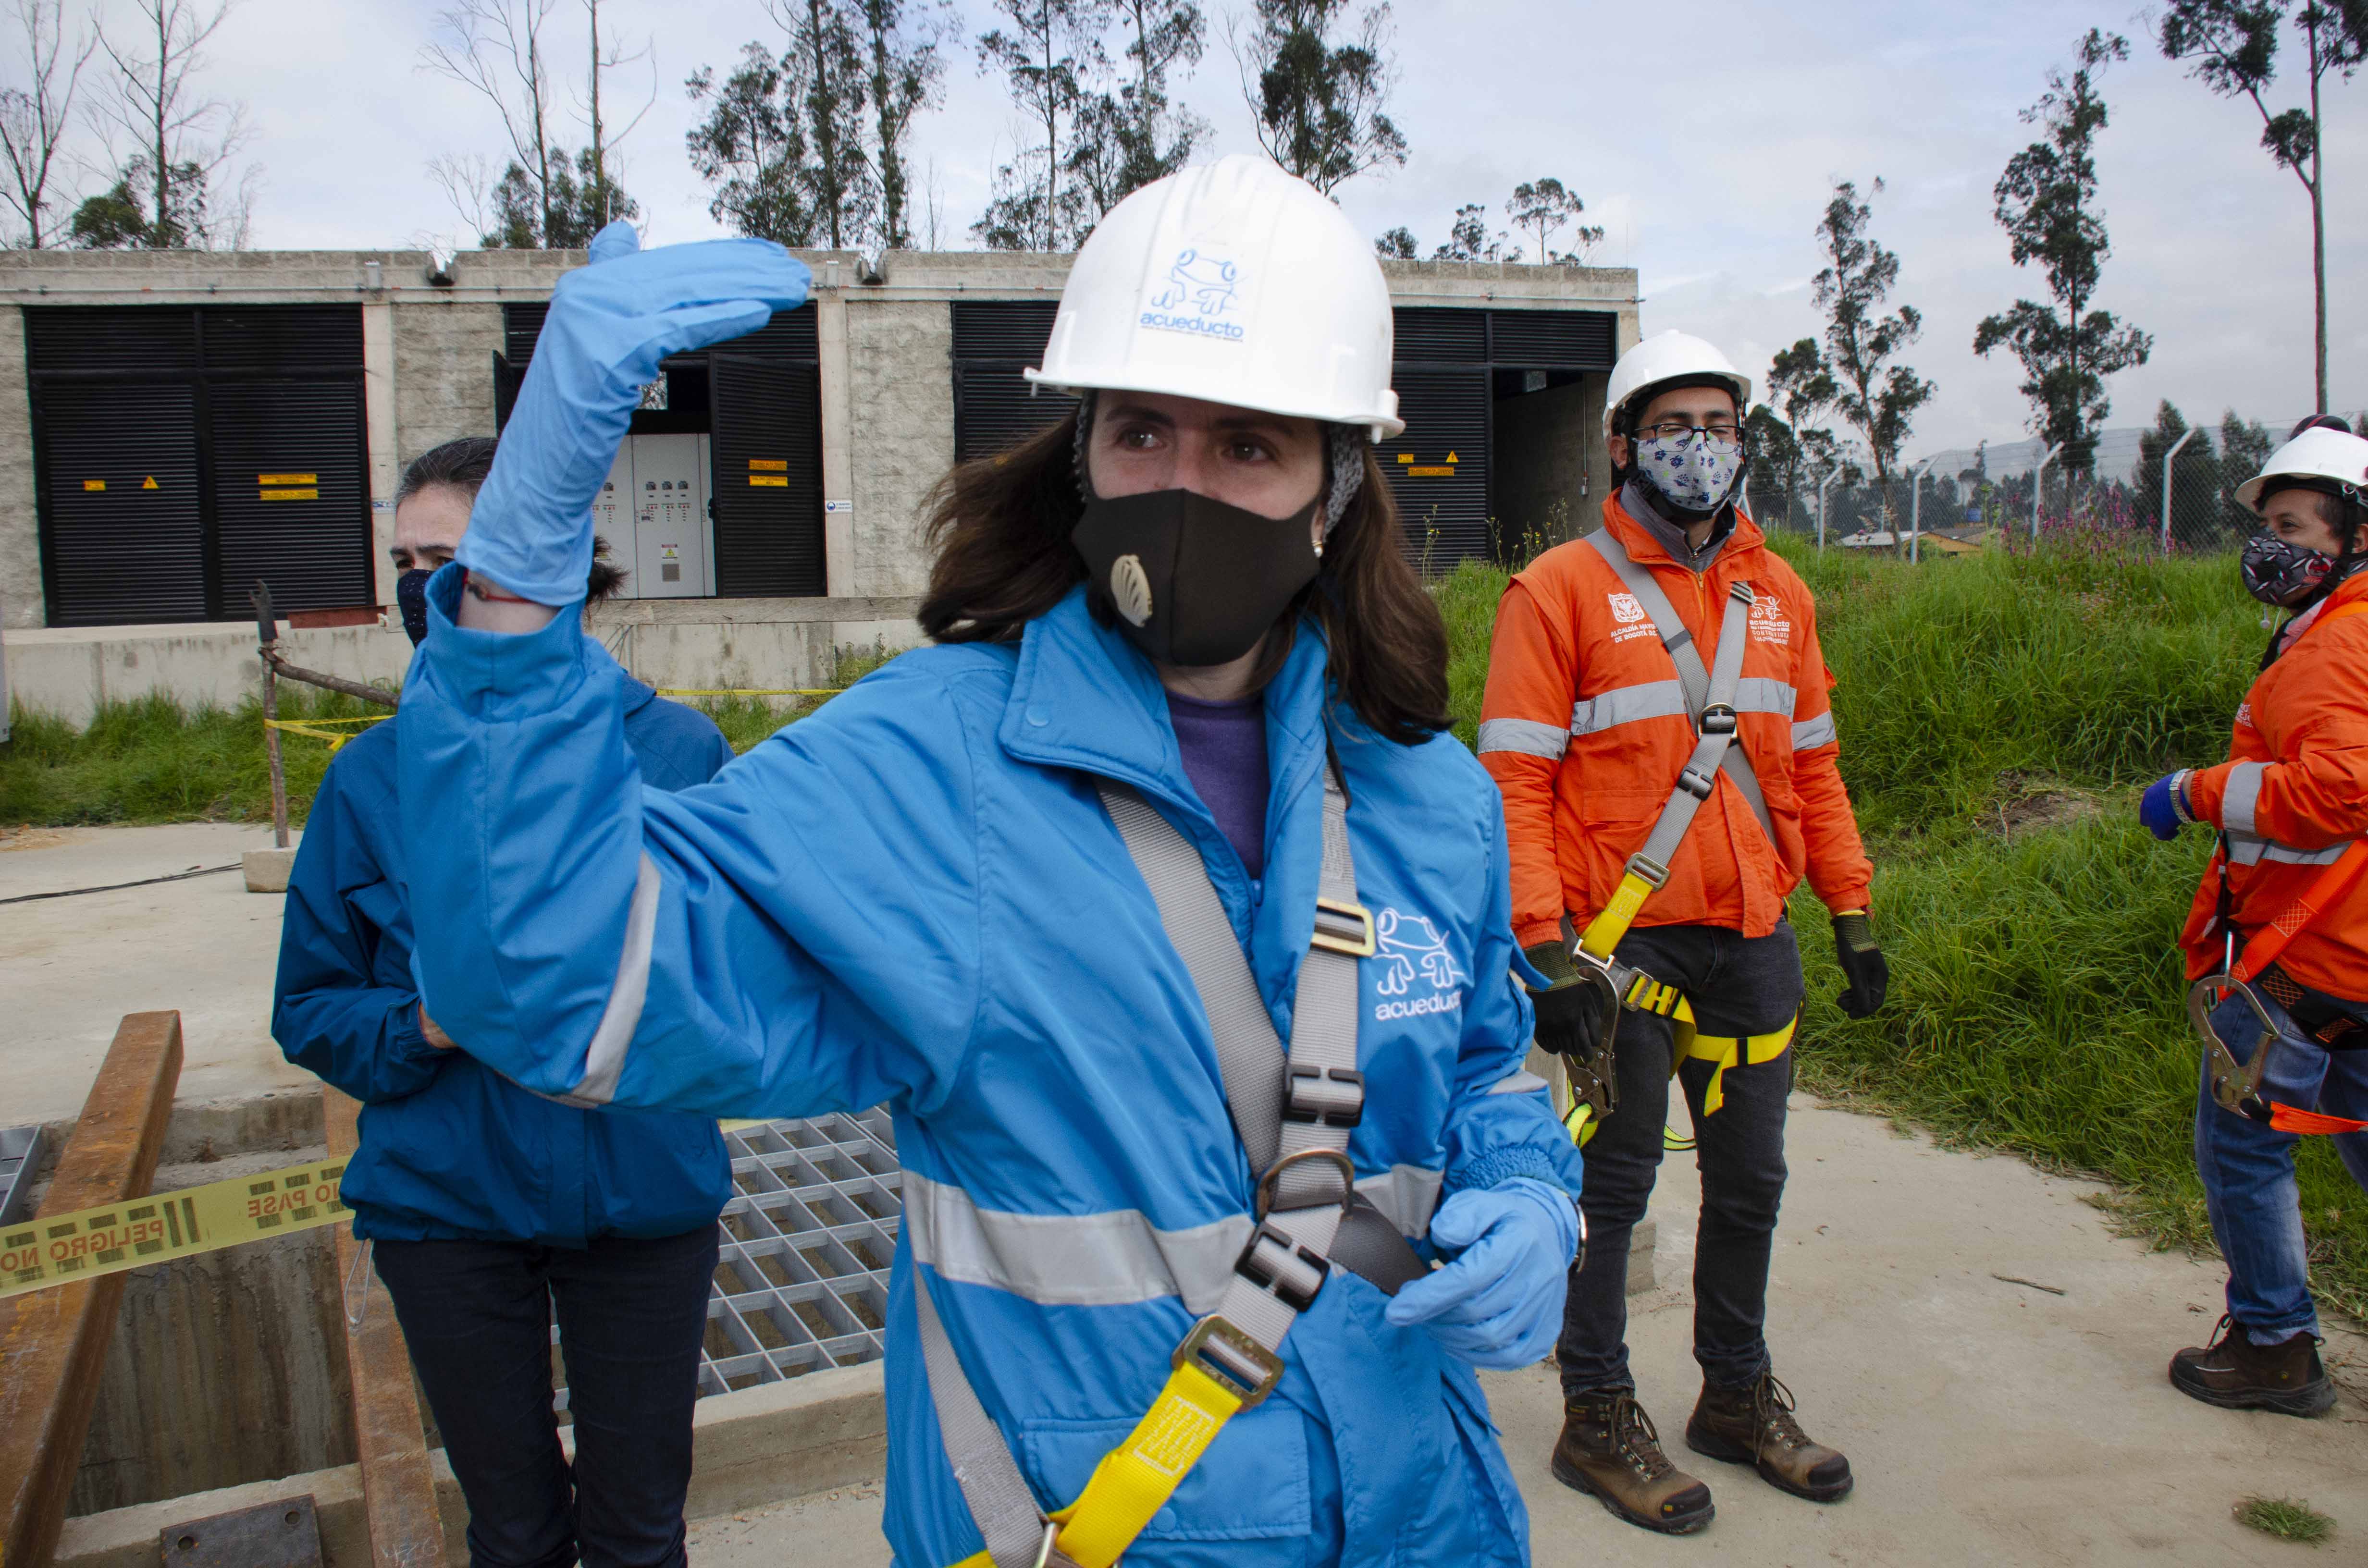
column 53, row 1342
column 398, row 1487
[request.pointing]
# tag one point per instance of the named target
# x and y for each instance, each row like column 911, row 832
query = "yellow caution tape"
column 749, row 690
column 59, row 1249
column 319, row 730
column 64, row 1249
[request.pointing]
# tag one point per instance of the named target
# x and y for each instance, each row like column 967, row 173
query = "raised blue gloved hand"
column 610, row 323
column 1499, row 1303
column 2163, row 807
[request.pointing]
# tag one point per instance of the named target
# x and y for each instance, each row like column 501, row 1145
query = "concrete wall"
column 884, row 336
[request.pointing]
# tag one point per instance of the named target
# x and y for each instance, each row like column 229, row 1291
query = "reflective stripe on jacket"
column 450, row 1148
column 2292, row 796
column 915, row 897
column 1585, row 729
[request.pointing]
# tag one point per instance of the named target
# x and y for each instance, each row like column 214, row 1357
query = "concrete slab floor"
column 1988, row 1422
column 70, row 967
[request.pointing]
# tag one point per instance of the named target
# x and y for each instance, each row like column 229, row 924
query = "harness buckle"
column 1645, row 868
column 1262, row 1200
column 1697, row 783
column 1290, row 1273
column 1343, row 928
column 1718, row 719
column 1245, row 1368
column 1333, row 1097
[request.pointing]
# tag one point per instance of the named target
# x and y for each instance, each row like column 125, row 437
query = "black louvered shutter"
column 1438, row 335
column 995, row 406
column 768, row 427
column 291, row 500
column 124, row 540
column 1439, row 468
column 1557, row 340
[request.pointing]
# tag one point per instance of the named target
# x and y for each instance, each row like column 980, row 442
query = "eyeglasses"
column 1679, row 429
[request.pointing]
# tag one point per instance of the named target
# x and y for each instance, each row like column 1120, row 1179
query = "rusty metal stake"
column 266, row 632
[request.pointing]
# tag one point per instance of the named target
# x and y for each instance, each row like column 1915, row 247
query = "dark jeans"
column 1738, row 986
column 631, row 1315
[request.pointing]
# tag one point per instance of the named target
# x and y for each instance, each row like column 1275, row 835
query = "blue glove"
column 1499, row 1303
column 2159, row 807
column 610, row 323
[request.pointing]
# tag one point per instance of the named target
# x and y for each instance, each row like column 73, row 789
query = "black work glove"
column 1862, row 966
column 1570, row 1012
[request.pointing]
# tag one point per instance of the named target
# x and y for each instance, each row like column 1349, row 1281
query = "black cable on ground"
column 116, row 887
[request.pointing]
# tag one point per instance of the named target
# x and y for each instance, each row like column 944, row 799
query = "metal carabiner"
column 2235, row 1087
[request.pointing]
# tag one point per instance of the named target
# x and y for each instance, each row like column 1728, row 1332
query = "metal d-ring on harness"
column 1294, row 1111
column 1710, row 702
column 2237, row 1087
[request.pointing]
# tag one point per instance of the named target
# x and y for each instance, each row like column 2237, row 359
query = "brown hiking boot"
column 1754, row 1426
column 2237, row 1374
column 1609, row 1449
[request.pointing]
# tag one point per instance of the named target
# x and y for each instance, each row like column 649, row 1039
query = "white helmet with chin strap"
column 1665, row 357
column 1236, row 283
column 2326, row 460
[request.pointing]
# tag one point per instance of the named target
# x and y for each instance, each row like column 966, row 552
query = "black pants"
column 631, row 1315
column 1738, row 986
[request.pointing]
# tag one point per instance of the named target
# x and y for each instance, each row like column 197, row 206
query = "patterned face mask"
column 1692, row 471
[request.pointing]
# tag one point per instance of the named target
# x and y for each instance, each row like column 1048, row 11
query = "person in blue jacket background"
column 486, row 1205
column 1192, row 593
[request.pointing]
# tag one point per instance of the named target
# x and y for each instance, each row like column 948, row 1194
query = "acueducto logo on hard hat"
column 1198, row 289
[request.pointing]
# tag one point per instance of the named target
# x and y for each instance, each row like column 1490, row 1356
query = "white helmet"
column 2317, row 460
column 1669, row 357
column 1234, row 283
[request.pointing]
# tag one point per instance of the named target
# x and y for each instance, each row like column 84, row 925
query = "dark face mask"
column 1192, row 581
column 411, row 599
column 2279, row 572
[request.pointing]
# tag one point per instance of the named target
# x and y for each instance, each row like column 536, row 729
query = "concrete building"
column 173, row 425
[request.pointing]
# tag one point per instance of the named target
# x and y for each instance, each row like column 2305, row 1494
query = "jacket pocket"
column 1250, row 1486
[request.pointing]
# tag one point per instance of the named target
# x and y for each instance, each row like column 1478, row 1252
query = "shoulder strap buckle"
column 1230, row 1357
column 1342, row 926
column 1329, row 1096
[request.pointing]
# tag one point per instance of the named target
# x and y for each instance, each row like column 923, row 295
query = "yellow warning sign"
column 777, row 481
column 289, row 495
column 1406, row 457
column 93, row 484
column 769, row 465
column 150, row 483
column 287, row 479
column 52, row 1250
column 1431, row 471
column 1450, row 457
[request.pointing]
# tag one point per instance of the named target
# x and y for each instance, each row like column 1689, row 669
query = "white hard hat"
column 2323, row 460
column 1234, row 283
column 1669, row 357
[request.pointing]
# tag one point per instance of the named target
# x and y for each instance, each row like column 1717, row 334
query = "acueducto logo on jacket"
column 1410, row 953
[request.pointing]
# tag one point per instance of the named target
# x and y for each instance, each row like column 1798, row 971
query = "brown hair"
column 1000, row 528
column 462, row 464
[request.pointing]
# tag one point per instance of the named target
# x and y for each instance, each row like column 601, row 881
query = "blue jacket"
column 450, row 1148
column 915, row 897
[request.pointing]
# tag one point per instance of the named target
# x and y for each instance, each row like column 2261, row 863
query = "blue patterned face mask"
column 1693, row 472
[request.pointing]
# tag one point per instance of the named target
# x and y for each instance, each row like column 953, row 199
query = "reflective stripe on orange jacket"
column 1585, row 731
column 2292, row 796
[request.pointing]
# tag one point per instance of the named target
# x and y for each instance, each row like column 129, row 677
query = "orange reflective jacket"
column 1585, row 731
column 2292, row 796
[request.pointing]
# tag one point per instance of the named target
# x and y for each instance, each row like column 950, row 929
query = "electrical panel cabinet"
column 653, row 511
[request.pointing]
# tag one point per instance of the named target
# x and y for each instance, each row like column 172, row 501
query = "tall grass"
column 2036, row 985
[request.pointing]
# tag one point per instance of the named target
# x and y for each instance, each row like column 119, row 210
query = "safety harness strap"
column 1293, row 1111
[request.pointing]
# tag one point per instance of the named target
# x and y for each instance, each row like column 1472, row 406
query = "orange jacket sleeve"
column 2318, row 795
column 1524, row 728
column 1839, row 871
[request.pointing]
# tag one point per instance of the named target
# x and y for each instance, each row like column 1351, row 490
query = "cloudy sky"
column 1704, row 136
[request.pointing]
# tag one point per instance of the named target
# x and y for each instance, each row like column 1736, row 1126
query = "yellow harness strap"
column 1725, row 1052
column 1135, row 1480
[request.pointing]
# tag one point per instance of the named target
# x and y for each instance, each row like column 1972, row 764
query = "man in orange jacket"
column 1637, row 764
column 2289, row 802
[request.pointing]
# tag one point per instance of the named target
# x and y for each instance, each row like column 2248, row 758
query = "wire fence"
column 2172, row 485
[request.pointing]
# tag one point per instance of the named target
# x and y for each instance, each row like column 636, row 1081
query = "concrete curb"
column 764, row 1445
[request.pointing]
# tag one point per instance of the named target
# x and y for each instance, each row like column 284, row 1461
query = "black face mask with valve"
column 411, row 599
column 1192, row 581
